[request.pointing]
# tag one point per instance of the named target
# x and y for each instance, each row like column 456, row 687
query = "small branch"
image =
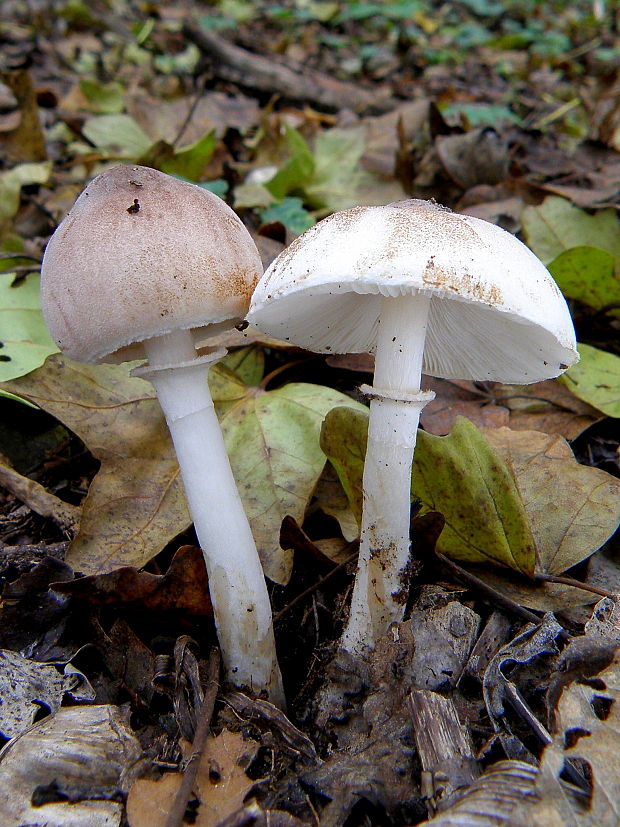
column 488, row 591
column 179, row 805
column 302, row 595
column 5, row 256
column 290, row 80
column 576, row 584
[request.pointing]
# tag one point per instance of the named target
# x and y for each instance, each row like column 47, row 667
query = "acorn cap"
column 139, row 255
column 496, row 313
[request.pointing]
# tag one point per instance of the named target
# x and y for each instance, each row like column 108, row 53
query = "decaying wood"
column 494, row 635
column 445, row 748
column 286, row 78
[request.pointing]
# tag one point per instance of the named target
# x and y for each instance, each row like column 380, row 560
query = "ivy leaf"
column 596, row 379
column 12, row 181
column 272, row 439
column 290, row 212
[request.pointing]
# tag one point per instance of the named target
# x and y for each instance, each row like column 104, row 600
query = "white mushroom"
column 424, row 289
column 143, row 265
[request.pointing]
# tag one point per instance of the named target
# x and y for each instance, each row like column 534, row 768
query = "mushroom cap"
column 495, row 313
column 139, row 255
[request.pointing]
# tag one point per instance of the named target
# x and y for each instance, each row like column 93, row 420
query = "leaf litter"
column 418, row 96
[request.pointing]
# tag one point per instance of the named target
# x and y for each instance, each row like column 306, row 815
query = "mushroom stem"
column 382, row 580
column 237, row 585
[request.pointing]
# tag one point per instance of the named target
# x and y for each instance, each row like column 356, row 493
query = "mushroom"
column 146, row 265
column 424, row 289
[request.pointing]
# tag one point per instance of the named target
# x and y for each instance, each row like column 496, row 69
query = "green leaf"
column 514, row 498
column 458, row 475
column 189, row 162
column 596, row 379
column 290, row 212
column 344, row 436
column 337, row 173
column 297, row 171
column 461, row 476
column 556, row 225
column 12, row 181
column 218, row 186
column 103, row 98
column 118, row 136
column 587, row 275
column 25, row 341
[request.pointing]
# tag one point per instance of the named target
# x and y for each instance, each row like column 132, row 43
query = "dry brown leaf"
column 136, row 503
column 221, row 785
column 184, row 587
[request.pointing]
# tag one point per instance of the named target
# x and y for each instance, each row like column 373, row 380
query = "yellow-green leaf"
column 572, row 509
column 516, row 498
column 25, row 342
column 596, row 379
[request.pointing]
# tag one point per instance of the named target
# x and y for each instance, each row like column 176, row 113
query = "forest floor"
column 494, row 699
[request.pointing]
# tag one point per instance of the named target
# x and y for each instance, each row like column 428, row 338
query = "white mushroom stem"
column 237, row 585
column 382, row 579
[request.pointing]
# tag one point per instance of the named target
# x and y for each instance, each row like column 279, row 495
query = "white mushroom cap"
column 139, row 255
column 495, row 313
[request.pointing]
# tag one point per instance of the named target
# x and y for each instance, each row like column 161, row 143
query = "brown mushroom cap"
column 139, row 255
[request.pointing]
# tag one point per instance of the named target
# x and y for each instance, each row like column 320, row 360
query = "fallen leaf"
column 26, row 685
column 454, row 399
column 546, row 406
column 12, row 181
column 556, row 225
column 85, row 755
column 596, row 379
column 135, row 503
column 588, row 275
column 221, row 785
column 272, row 439
column 515, row 498
column 572, row 509
column 183, row 588
column 26, row 342
column 459, row 476
column 118, row 136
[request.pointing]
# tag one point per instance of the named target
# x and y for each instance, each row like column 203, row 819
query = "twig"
column 302, row 595
column 488, row 591
column 192, row 109
column 577, row 584
column 291, row 80
column 179, row 805
column 4, row 256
